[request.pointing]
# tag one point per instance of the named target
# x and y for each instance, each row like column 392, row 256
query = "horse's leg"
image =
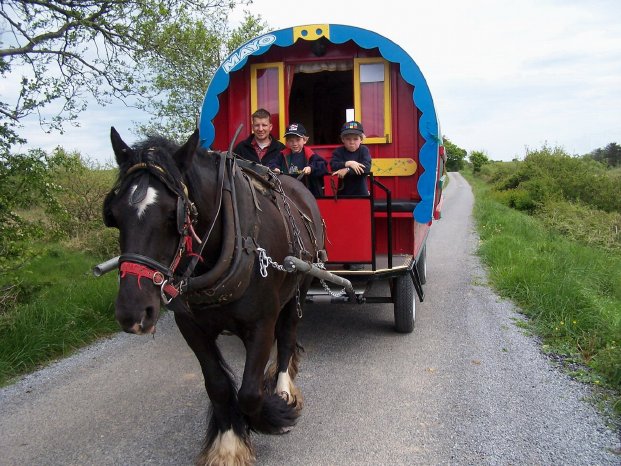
column 280, row 375
column 227, row 440
column 266, row 411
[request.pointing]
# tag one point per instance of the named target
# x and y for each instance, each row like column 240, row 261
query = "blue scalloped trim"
column 410, row 72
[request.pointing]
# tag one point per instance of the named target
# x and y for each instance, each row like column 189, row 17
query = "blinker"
column 141, row 190
column 180, row 215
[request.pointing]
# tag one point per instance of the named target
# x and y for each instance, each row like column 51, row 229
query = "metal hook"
column 163, row 294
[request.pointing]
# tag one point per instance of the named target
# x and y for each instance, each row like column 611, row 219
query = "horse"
column 206, row 233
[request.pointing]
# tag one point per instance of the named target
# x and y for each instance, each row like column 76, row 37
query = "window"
column 319, row 95
column 372, row 98
column 267, row 91
column 322, row 95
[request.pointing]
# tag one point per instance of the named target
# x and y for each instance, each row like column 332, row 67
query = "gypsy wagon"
column 323, row 75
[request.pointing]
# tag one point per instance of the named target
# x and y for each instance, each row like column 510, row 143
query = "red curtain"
column 267, row 95
column 372, row 102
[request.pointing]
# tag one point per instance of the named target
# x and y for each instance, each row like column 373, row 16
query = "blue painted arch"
column 338, row 34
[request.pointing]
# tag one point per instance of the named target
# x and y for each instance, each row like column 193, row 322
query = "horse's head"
column 149, row 205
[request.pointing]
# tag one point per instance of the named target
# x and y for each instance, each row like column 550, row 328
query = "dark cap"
column 352, row 127
column 296, row 129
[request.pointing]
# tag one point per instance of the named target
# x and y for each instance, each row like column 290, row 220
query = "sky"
column 506, row 76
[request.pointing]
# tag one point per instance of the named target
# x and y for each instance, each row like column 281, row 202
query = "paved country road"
column 467, row 387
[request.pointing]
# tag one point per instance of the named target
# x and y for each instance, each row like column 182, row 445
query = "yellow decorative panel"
column 311, row 32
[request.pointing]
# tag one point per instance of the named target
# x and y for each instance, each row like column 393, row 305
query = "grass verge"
column 60, row 307
column 570, row 291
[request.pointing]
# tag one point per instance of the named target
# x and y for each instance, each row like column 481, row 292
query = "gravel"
column 467, row 387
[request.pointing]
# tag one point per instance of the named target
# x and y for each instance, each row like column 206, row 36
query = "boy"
column 301, row 160
column 352, row 161
column 260, row 147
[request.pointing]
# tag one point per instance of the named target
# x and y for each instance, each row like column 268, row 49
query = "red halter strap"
column 156, row 277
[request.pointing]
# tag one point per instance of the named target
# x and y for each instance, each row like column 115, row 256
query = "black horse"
column 207, row 234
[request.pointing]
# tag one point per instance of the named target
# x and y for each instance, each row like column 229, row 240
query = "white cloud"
column 504, row 75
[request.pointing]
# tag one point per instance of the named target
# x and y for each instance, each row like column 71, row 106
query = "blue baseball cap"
column 352, row 127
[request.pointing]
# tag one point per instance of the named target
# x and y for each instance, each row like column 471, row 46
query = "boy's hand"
column 341, row 173
column 357, row 167
column 306, row 170
column 276, row 170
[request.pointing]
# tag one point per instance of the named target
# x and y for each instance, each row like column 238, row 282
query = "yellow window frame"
column 281, row 91
column 387, row 104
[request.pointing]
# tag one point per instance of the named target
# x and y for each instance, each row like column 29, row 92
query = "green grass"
column 570, row 291
column 60, row 307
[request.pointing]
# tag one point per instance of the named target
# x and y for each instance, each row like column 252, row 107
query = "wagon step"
column 293, row 264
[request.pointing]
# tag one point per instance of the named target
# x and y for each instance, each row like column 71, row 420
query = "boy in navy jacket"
column 298, row 159
column 352, row 161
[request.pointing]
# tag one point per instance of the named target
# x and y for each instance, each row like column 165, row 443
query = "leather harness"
column 228, row 279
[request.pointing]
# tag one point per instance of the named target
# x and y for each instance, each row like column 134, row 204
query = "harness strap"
column 286, row 225
column 221, row 175
column 252, row 191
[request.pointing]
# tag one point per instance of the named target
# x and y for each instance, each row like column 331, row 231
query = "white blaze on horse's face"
column 149, row 199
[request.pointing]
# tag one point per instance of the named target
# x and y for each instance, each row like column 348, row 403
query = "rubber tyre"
column 421, row 265
column 405, row 304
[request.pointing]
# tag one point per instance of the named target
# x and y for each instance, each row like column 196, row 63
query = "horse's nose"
column 140, row 329
column 139, row 324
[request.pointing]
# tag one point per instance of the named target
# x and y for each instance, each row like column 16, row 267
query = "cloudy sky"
column 505, row 75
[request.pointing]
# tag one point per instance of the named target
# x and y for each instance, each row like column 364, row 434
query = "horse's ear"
column 185, row 155
column 121, row 150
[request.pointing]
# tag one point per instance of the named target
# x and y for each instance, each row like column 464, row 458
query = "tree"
column 609, row 155
column 61, row 53
column 184, row 57
column 455, row 156
column 478, row 159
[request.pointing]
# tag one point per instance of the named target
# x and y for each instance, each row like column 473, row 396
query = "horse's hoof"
column 285, row 396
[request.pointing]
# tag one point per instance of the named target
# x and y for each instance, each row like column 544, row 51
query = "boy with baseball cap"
column 351, row 162
column 300, row 160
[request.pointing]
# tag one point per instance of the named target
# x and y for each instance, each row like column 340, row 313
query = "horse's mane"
column 159, row 150
column 155, row 149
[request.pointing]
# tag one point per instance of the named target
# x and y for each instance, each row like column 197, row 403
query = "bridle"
column 165, row 277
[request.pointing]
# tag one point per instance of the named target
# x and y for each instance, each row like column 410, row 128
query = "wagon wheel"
column 421, row 265
column 405, row 304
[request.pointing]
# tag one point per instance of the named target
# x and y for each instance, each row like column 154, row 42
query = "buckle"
column 158, row 278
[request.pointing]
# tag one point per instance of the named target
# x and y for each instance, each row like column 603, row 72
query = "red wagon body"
column 323, row 75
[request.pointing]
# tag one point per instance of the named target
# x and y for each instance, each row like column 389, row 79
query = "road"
column 467, row 387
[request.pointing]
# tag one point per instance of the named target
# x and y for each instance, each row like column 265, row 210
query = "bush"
column 498, row 172
column 81, row 191
column 519, row 199
column 102, row 242
column 579, row 222
column 551, row 175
